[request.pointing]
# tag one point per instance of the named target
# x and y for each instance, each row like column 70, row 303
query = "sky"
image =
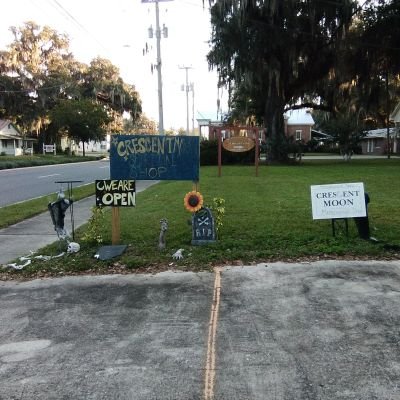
column 118, row 30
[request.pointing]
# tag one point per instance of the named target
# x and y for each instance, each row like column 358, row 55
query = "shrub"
column 218, row 210
column 209, row 154
column 95, row 227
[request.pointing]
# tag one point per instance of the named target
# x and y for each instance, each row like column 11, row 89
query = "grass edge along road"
column 267, row 218
column 14, row 213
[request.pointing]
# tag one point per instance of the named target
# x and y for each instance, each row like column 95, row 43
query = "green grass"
column 8, row 162
column 14, row 213
column 267, row 218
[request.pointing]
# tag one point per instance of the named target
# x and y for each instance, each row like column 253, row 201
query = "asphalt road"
column 22, row 184
column 321, row 331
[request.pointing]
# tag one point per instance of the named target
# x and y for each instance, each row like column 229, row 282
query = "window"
column 7, row 143
column 298, row 134
column 372, row 145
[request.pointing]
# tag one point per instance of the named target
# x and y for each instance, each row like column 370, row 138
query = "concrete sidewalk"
column 34, row 233
column 323, row 331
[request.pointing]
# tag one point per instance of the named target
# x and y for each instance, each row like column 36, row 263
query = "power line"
column 67, row 15
column 42, row 10
column 82, row 27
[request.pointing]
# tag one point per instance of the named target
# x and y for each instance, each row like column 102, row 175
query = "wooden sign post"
column 116, row 226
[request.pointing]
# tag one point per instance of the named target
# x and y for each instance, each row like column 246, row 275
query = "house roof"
column 379, row 133
column 321, row 135
column 9, row 136
column 4, row 124
column 7, row 127
column 9, row 131
column 299, row 117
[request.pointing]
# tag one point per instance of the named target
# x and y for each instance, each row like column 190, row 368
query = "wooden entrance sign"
column 238, row 144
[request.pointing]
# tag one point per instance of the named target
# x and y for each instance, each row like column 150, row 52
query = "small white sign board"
column 342, row 200
column 49, row 148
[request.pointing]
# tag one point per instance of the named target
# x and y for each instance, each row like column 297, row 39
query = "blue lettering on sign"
column 154, row 157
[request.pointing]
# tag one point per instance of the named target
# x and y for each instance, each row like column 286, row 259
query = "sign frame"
column 115, row 193
column 155, row 157
column 340, row 200
column 238, row 144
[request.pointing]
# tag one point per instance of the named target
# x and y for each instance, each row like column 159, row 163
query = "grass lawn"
column 266, row 218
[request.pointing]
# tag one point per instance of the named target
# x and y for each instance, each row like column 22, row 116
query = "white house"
column 98, row 147
column 12, row 142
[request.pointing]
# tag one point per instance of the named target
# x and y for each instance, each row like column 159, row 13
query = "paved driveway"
column 326, row 330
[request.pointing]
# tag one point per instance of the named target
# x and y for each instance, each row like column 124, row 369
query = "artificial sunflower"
column 193, row 201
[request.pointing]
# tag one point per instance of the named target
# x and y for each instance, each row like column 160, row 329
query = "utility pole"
column 158, row 62
column 192, row 89
column 187, row 88
column 159, row 78
column 388, row 115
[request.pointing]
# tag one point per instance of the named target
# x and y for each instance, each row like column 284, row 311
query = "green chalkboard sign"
column 154, row 157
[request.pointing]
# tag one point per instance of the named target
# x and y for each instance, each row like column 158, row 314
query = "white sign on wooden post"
column 343, row 200
column 49, row 148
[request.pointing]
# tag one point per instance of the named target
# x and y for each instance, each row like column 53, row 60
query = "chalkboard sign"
column 203, row 227
column 154, row 157
column 116, row 193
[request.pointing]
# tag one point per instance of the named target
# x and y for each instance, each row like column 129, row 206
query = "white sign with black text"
column 342, row 200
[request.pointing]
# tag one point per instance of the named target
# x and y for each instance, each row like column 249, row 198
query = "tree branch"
column 314, row 106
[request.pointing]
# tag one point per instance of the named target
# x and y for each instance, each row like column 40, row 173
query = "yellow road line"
column 209, row 379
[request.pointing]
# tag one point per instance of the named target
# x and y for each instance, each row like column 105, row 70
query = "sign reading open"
column 116, row 193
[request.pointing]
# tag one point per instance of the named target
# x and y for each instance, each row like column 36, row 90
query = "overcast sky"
column 118, row 30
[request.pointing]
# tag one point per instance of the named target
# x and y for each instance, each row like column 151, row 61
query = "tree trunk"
column 83, row 147
column 274, row 124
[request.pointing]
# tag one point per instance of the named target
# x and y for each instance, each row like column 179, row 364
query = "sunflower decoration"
column 193, row 201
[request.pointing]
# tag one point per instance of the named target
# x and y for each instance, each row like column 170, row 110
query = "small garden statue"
column 57, row 212
column 164, row 228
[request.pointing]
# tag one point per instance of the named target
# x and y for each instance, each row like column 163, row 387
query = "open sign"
column 115, row 193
